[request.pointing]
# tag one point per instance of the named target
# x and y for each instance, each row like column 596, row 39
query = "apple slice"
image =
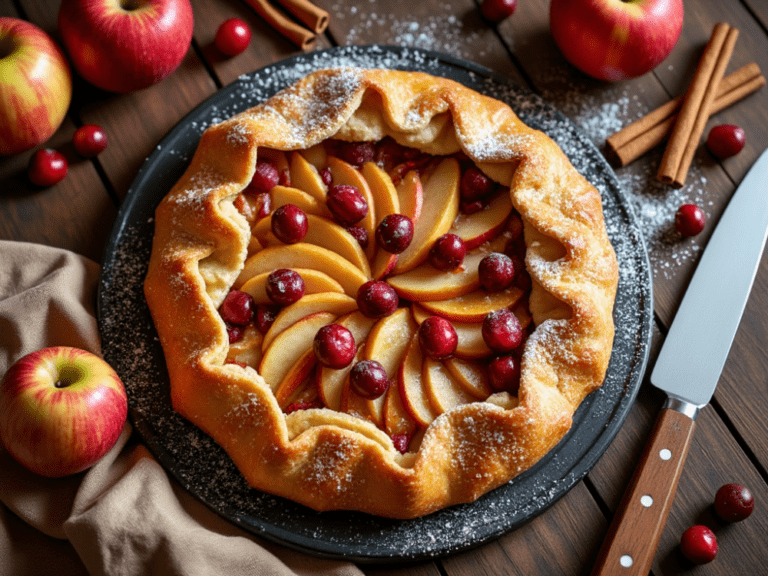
column 282, row 195
column 305, row 177
column 475, row 306
column 314, row 283
column 303, row 255
column 411, row 196
column 385, row 197
column 383, row 264
column 411, row 385
column 316, row 155
column 440, row 208
column 247, row 350
column 290, row 346
column 471, row 376
column 397, row 420
column 336, row 304
column 479, row 227
column 344, row 173
column 443, row 391
column 296, row 376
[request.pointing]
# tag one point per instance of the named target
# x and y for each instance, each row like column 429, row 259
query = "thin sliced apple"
column 303, row 255
column 411, row 385
column 282, row 195
column 344, row 173
column 397, row 420
column 305, row 177
column 443, row 391
column 296, row 376
column 480, row 227
column 385, row 197
column 316, row 155
column 333, row 302
column 440, row 208
column 247, row 350
column 383, row 264
column 475, row 306
column 470, row 375
column 411, row 196
column 315, row 282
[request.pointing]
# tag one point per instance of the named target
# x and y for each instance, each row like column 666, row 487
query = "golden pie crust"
column 331, row 460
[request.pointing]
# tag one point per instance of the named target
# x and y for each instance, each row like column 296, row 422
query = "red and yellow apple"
column 615, row 39
column 125, row 45
column 61, row 410
column 35, row 86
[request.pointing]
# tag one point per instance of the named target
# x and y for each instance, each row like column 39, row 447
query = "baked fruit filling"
column 382, row 282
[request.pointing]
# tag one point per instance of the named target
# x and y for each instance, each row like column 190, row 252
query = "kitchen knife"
column 687, row 369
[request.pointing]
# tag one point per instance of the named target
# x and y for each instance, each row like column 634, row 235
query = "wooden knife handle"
column 634, row 533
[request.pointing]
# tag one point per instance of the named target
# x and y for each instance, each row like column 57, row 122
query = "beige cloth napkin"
column 124, row 516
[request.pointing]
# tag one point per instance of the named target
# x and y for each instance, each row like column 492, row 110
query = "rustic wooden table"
column 731, row 439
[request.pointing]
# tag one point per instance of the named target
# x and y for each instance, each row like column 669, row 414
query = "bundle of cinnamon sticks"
column 683, row 119
column 314, row 18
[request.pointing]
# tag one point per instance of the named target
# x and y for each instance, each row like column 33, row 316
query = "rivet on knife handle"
column 634, row 533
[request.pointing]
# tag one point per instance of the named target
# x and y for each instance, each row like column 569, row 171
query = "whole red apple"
column 125, row 45
column 61, row 409
column 35, row 86
column 615, row 39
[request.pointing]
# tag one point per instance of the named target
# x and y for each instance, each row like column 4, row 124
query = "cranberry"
column 369, row 379
column 504, row 374
column 514, row 227
column 289, row 224
column 437, row 338
column 356, row 153
column 264, row 178
column 265, row 316
column 285, row 286
column 377, row 299
column 347, row 204
column 690, row 220
column 296, row 406
column 497, row 271
column 237, row 308
column 394, row 233
column 726, row 140
column 326, row 176
column 334, row 346
column 502, row 331
column 360, row 234
column 468, row 208
column 447, row 253
column 475, row 185
column 263, row 204
column 232, row 37
column 235, row 333
column 89, row 140
column 285, row 178
column 699, row 544
column 734, row 502
column 47, row 167
column 497, row 10
column 401, row 442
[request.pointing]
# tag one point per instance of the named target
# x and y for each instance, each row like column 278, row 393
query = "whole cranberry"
column 699, row 544
column 690, row 220
column 504, row 373
column 89, row 140
column 264, row 178
column 447, row 253
column 237, row 308
column 356, row 153
column 235, row 333
column 726, row 140
column 289, row 224
column 394, row 233
column 265, row 316
column 734, row 502
column 334, row 346
column 497, row 10
column 369, row 379
column 285, row 286
column 501, row 331
column 377, row 299
column 232, row 37
column 497, row 272
column 401, row 442
column 347, row 204
column 47, row 167
column 475, row 185
column 468, row 208
column 437, row 338
column 360, row 234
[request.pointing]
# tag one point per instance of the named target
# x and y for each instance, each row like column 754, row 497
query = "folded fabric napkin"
column 124, row 515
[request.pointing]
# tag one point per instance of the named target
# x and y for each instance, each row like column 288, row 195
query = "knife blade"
column 688, row 368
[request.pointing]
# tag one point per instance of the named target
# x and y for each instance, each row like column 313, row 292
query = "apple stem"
column 67, row 376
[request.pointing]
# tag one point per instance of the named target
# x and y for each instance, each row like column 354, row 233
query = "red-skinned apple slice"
column 315, row 282
column 383, row 264
column 479, row 227
column 443, row 391
column 411, row 385
column 305, row 177
column 397, row 420
column 344, row 173
column 296, row 376
column 411, row 196
column 385, row 198
column 282, row 195
column 475, row 306
column 440, row 208
column 470, row 375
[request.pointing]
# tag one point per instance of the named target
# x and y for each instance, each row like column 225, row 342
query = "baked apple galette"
column 380, row 291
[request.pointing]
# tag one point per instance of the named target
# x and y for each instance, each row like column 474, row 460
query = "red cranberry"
column 263, row 205
column 265, row 316
column 360, row 234
column 504, row 374
column 699, row 544
column 515, row 227
column 377, row 299
column 394, row 233
column 334, row 346
column 264, row 178
column 502, row 331
column 475, row 185
column 235, row 333
column 497, row 10
column 468, row 208
column 232, row 37
column 369, row 379
column 326, row 176
column 296, row 406
column 734, row 502
column 437, row 338
column 447, row 253
column 237, row 308
column 356, row 153
column 726, row 140
column 690, row 220
column 285, row 178
column 497, row 271
column 347, row 204
column 289, row 224
column 285, row 286
column 47, row 167
column 401, row 442
column 89, row 140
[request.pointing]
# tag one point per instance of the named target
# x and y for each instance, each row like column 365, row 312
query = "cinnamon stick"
column 696, row 106
column 313, row 17
column 297, row 34
column 634, row 140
